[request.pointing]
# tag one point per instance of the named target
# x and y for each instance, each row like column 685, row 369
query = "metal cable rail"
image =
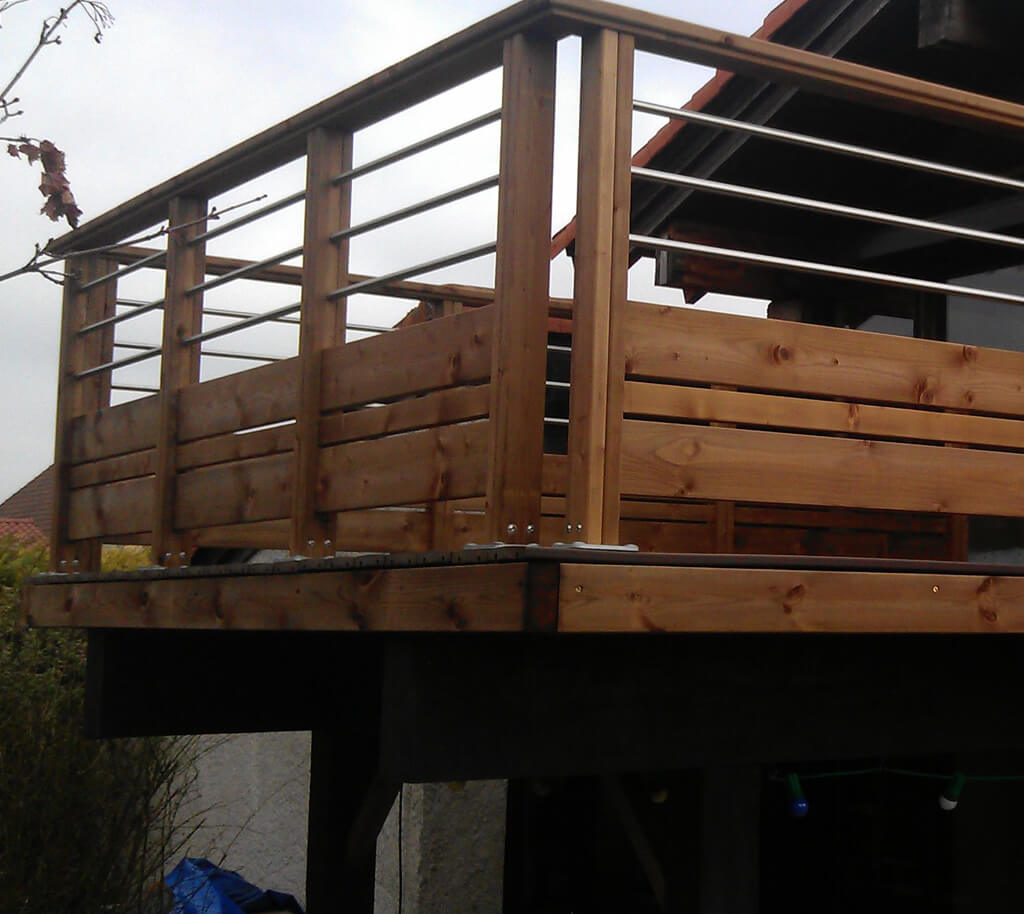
column 415, row 209
column 135, row 388
column 283, row 203
column 826, row 269
column 124, row 271
column 140, row 308
column 419, row 146
column 850, row 149
column 823, row 206
column 242, row 272
column 119, row 363
column 374, row 282
column 213, row 353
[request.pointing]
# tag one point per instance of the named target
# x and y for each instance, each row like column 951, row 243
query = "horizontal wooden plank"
column 666, row 536
column 447, row 352
column 745, row 408
column 267, row 534
column 112, row 469
column 110, row 510
column 838, row 517
column 234, row 493
column 609, row 598
column 664, row 460
column 441, row 407
column 224, row 448
column 684, row 344
column 259, row 396
column 441, row 463
column 818, row 541
column 473, row 598
column 115, row 430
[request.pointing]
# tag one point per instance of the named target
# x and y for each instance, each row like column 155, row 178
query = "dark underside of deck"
column 518, row 660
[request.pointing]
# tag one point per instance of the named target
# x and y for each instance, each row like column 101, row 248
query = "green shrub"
column 85, row 825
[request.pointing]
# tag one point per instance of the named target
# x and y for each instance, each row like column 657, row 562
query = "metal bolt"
column 309, row 543
column 512, row 529
column 568, row 528
column 327, row 543
column 530, row 529
column 181, row 555
column 74, row 563
column 579, row 528
column 63, row 563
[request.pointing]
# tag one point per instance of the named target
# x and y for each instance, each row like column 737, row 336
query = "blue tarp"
column 201, row 887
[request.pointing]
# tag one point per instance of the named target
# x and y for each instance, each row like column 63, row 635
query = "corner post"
column 179, row 365
column 79, row 397
column 322, row 323
column 601, row 272
column 522, row 289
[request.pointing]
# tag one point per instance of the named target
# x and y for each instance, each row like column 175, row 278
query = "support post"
column 322, row 324
column 730, row 841
column 601, row 268
column 522, row 280
column 79, row 397
column 179, row 365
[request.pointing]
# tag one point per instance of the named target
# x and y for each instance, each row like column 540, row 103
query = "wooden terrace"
column 773, row 476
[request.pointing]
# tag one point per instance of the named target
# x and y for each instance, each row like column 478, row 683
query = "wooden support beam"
column 730, row 840
column 324, row 269
column 179, row 366
column 522, row 276
column 602, row 252
column 78, row 398
column 349, row 799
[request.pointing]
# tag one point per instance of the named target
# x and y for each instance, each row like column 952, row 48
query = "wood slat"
column 226, row 448
column 602, row 226
column 887, row 521
column 665, row 401
column 441, row 463
column 448, row 352
column 110, row 510
column 235, row 493
column 115, row 430
column 259, row 396
column 664, row 460
column 266, row 534
column 442, row 407
column 522, row 275
column 113, row 469
column 467, row 598
column 606, row 598
column 683, row 344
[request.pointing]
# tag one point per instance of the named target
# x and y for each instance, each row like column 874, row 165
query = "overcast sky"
column 174, row 82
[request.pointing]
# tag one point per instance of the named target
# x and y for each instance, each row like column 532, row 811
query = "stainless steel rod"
column 242, row 272
column 119, row 363
column 226, row 312
column 374, row 282
column 213, row 353
column 369, row 328
column 283, row 203
column 827, row 269
column 124, row 271
column 823, row 206
column 397, row 215
column 140, row 308
column 135, row 388
column 814, row 142
column 419, row 146
column 253, row 321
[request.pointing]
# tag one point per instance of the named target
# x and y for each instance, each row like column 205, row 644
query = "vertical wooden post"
column 79, row 397
column 522, row 279
column 730, row 841
column 179, row 365
column 324, row 269
column 601, row 267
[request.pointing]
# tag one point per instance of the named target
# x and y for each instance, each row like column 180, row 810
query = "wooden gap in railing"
column 77, row 398
column 324, row 269
column 601, row 264
column 522, row 277
column 179, row 368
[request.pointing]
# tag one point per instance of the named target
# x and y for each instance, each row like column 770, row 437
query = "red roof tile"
column 33, row 501
column 21, row 529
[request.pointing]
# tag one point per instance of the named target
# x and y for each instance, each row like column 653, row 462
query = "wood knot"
column 793, row 596
column 781, row 354
column 989, row 615
column 924, row 391
column 969, row 397
column 970, row 354
column 853, row 416
column 451, row 610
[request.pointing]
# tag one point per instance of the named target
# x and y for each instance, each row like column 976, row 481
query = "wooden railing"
column 687, row 431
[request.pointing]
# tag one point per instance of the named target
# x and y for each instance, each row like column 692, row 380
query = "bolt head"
column 531, row 529
column 512, row 529
column 579, row 528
